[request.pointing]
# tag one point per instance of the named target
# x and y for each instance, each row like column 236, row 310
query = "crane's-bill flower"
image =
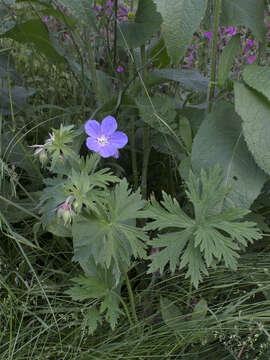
column 103, row 138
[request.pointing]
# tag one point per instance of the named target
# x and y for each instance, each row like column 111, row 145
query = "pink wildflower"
column 251, row 59
column 208, row 35
column 120, row 69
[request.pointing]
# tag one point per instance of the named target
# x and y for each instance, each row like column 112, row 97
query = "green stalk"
column 19, row 207
column 214, row 55
column 133, row 153
column 93, row 70
column 146, row 134
column 115, row 32
column 131, row 297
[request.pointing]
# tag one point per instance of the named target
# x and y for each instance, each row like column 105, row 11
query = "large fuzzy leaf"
column 220, row 141
column 249, row 13
column 226, row 60
column 82, row 10
column 181, row 18
column 188, row 79
column 258, row 77
column 35, row 31
column 134, row 33
column 160, row 113
column 254, row 109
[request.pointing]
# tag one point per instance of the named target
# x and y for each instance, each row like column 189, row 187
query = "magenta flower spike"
column 208, row 35
column 103, row 138
column 250, row 42
column 251, row 59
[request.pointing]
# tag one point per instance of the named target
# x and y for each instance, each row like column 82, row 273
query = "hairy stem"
column 214, row 55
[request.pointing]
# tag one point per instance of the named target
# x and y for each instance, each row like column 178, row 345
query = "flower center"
column 102, row 140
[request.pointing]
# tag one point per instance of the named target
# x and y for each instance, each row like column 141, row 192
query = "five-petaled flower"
column 103, row 138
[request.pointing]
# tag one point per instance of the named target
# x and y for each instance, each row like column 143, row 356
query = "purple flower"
column 45, row 19
column 251, row 59
column 230, row 30
column 103, row 138
column 120, row 69
column 250, row 42
column 208, row 35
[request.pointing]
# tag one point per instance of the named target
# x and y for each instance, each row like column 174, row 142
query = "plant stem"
column 133, row 153
column 93, row 70
column 214, row 55
column 146, row 135
column 19, row 207
column 115, row 32
column 189, row 296
column 131, row 297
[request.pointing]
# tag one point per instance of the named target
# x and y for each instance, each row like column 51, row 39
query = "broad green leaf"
column 226, row 60
column 7, row 67
column 82, row 10
column 185, row 133
column 181, row 18
column 247, row 13
column 258, row 77
column 171, row 314
column 160, row 113
column 159, row 54
column 134, row 33
column 35, row 31
column 200, row 310
column 18, row 95
column 188, row 79
column 254, row 110
column 220, row 140
column 198, row 243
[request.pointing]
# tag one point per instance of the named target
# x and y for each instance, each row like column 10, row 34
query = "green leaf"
column 226, row 60
column 18, row 95
column 134, row 33
column 82, row 10
column 258, row 77
column 200, row 310
column 92, row 318
column 219, row 140
column 247, row 13
column 254, row 110
column 185, row 133
column 98, row 284
column 171, row 314
column 188, row 79
column 159, row 54
column 110, row 234
column 201, row 241
column 160, row 114
column 181, row 18
column 35, row 31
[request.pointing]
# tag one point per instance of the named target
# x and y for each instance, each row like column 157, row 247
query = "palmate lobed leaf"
column 98, row 284
column 201, row 241
column 109, row 234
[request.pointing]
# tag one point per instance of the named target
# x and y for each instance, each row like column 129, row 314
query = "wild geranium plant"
column 168, row 176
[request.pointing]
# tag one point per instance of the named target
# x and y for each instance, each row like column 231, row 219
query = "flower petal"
column 108, row 125
column 118, row 139
column 92, row 128
column 107, row 150
column 93, row 144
